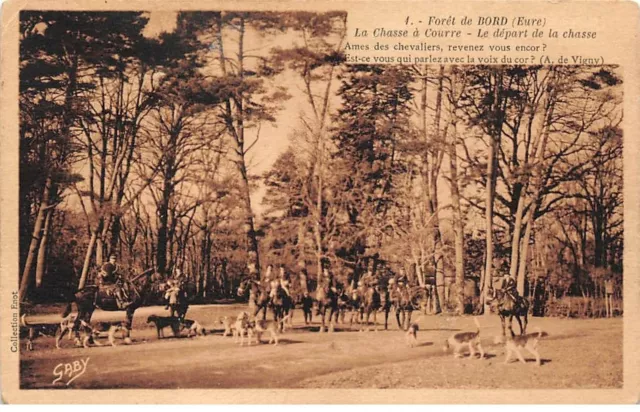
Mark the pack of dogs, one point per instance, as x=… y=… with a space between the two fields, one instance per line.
x=243 y=326
x=90 y=334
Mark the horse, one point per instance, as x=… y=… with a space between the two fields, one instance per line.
x=281 y=304
x=507 y=306
x=139 y=289
x=404 y=302
x=386 y=303
x=184 y=297
x=327 y=298
x=350 y=301
x=347 y=302
x=370 y=305
x=258 y=296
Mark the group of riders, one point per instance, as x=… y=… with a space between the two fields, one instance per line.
x=111 y=279
x=387 y=291
x=273 y=283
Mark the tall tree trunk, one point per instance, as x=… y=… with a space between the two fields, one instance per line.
x=237 y=132
x=516 y=237
x=491 y=179
x=319 y=204
x=99 y=250
x=35 y=240
x=302 y=229
x=253 y=259
x=433 y=193
x=598 y=234
x=101 y=247
x=438 y=256
x=458 y=226
x=64 y=132
x=116 y=228
x=320 y=115
x=536 y=189
x=523 y=258
x=40 y=264
x=87 y=257
x=163 y=227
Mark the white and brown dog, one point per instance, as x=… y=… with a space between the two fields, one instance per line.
x=529 y=342
x=465 y=339
x=228 y=323
x=263 y=326
x=241 y=328
x=193 y=327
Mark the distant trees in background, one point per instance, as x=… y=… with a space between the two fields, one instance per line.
x=139 y=146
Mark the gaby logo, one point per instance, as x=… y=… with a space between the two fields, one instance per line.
x=69 y=372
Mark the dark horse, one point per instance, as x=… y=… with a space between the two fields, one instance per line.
x=281 y=305
x=139 y=289
x=386 y=303
x=349 y=301
x=508 y=307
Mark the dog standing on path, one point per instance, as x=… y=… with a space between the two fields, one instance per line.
x=465 y=339
x=516 y=343
x=193 y=326
x=162 y=322
x=412 y=333
x=228 y=324
x=90 y=334
x=241 y=327
x=271 y=326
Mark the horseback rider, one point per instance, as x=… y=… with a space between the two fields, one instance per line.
x=331 y=281
x=172 y=293
x=272 y=281
x=173 y=288
x=266 y=282
x=509 y=287
x=284 y=281
x=391 y=284
x=392 y=288
x=110 y=276
x=368 y=279
x=404 y=287
x=304 y=285
x=390 y=291
x=403 y=278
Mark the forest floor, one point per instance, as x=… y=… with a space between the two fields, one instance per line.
x=576 y=353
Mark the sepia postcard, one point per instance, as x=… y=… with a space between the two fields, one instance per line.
x=320 y=202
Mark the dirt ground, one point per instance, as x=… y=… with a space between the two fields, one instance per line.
x=576 y=354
